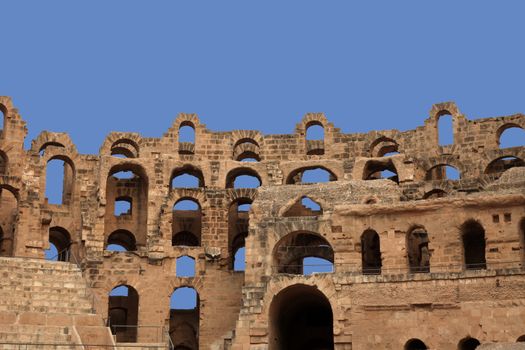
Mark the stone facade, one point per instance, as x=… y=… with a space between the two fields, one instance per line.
x=416 y=258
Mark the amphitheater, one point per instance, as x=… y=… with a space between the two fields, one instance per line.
x=390 y=250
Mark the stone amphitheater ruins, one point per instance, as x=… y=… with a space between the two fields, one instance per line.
x=404 y=255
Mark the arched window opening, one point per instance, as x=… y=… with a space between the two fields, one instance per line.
x=512 y=137
x=239 y=259
x=184 y=318
x=246 y=181
x=187 y=177
x=238 y=226
x=435 y=193
x=187 y=132
x=442 y=172
x=3 y=116
x=500 y=165
x=445 y=129
x=371 y=253
x=301 y=318
x=186 y=223
x=520 y=339
x=315 y=175
x=3 y=163
x=185 y=266
x=123 y=307
x=314 y=131
x=8 y=220
x=59 y=245
x=418 y=252
x=384 y=147
x=121 y=240
x=290 y=252
x=473 y=236
x=312 y=174
x=125 y=148
x=43 y=148
x=184 y=239
x=246 y=150
x=123 y=206
x=468 y=343
x=313 y=265
x=185 y=181
x=384 y=169
x=304 y=207
x=243 y=178
x=415 y=344
x=59 y=181
x=127 y=207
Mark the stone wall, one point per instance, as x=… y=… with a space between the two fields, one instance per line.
x=411 y=254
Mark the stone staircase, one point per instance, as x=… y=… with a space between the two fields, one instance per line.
x=48 y=305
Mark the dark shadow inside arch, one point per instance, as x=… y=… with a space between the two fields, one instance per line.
x=417 y=249
x=371 y=253
x=301 y=318
x=473 y=235
x=186 y=224
x=61 y=239
x=468 y=343
x=291 y=251
x=500 y=165
x=184 y=318
x=123 y=309
x=384 y=169
x=121 y=238
x=415 y=344
x=442 y=172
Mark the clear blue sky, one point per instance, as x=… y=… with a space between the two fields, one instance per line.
x=92 y=67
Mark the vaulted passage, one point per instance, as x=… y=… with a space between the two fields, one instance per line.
x=123 y=306
x=301 y=318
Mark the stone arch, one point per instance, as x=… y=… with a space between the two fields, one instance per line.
x=127 y=144
x=383 y=145
x=68 y=180
x=418 y=253
x=238 y=227
x=186 y=224
x=289 y=252
x=241 y=171
x=371 y=253
x=187 y=169
x=505 y=127
x=61 y=239
x=468 y=343
x=294 y=176
x=296 y=207
x=501 y=164
x=373 y=170
x=415 y=344
x=57 y=139
x=301 y=317
x=9 y=204
x=133 y=185
x=123 y=313
x=123 y=238
x=247 y=144
x=189 y=316
x=473 y=238
x=439 y=172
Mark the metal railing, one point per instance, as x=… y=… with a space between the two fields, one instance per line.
x=130 y=333
x=356 y=270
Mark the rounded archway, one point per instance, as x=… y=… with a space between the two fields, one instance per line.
x=291 y=251
x=468 y=343
x=301 y=318
x=415 y=344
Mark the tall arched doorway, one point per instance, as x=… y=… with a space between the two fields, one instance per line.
x=301 y=318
